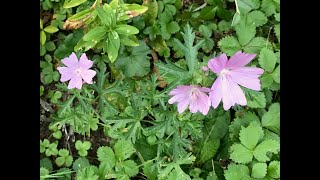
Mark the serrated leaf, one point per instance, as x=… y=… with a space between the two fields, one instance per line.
x=267 y=59
x=276 y=74
x=43 y=37
x=130 y=168
x=255 y=99
x=95 y=34
x=136 y=63
x=209 y=149
x=123 y=149
x=274 y=169
x=240 y=154
x=190 y=50
x=250 y=135
x=80 y=163
x=245 y=30
x=246 y=6
x=236 y=171
x=73 y=3
x=60 y=161
x=271 y=119
x=258 y=17
x=151 y=14
x=106 y=155
x=259 y=170
x=51 y=29
x=63 y=152
x=88 y=173
x=173 y=27
x=229 y=45
x=178 y=173
x=260 y=152
x=46 y=163
x=150 y=170
x=205 y=31
x=266 y=80
x=244 y=120
x=126 y=29
x=269 y=6
x=255 y=45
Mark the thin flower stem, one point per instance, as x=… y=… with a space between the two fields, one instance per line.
x=237 y=8
x=268 y=36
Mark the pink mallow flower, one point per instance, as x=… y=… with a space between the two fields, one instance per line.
x=232 y=73
x=193 y=95
x=76 y=71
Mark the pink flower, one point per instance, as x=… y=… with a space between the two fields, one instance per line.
x=76 y=71
x=193 y=95
x=232 y=73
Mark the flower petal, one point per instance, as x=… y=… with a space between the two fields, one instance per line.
x=87 y=75
x=75 y=82
x=204 y=103
x=218 y=63
x=84 y=63
x=247 y=77
x=177 y=98
x=66 y=74
x=182 y=105
x=71 y=61
x=239 y=59
x=216 y=94
x=232 y=94
x=180 y=90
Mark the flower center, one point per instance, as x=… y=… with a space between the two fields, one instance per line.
x=194 y=93
x=224 y=73
x=78 y=72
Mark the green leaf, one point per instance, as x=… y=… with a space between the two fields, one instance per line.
x=269 y=7
x=126 y=29
x=259 y=170
x=266 y=146
x=72 y=3
x=50 y=29
x=41 y=24
x=80 y=163
x=63 y=152
x=150 y=170
x=235 y=19
x=266 y=80
x=208 y=13
x=60 y=161
x=178 y=173
x=236 y=171
x=250 y=135
x=255 y=99
x=276 y=74
x=43 y=37
x=151 y=14
x=209 y=150
x=129 y=40
x=50 y=46
x=43 y=172
x=205 y=31
x=240 y=154
x=243 y=120
x=258 y=17
x=271 y=119
x=106 y=155
x=95 y=34
x=67 y=46
x=189 y=50
x=136 y=63
x=105 y=14
x=229 y=45
x=113 y=45
x=123 y=149
x=130 y=168
x=246 y=6
x=255 y=45
x=267 y=59
x=245 y=30
x=68 y=161
x=224 y=26
x=274 y=169
x=46 y=163
x=88 y=173
x=173 y=27
x=277 y=31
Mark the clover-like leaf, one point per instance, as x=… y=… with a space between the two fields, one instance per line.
x=259 y=170
x=123 y=149
x=260 y=152
x=250 y=135
x=240 y=154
